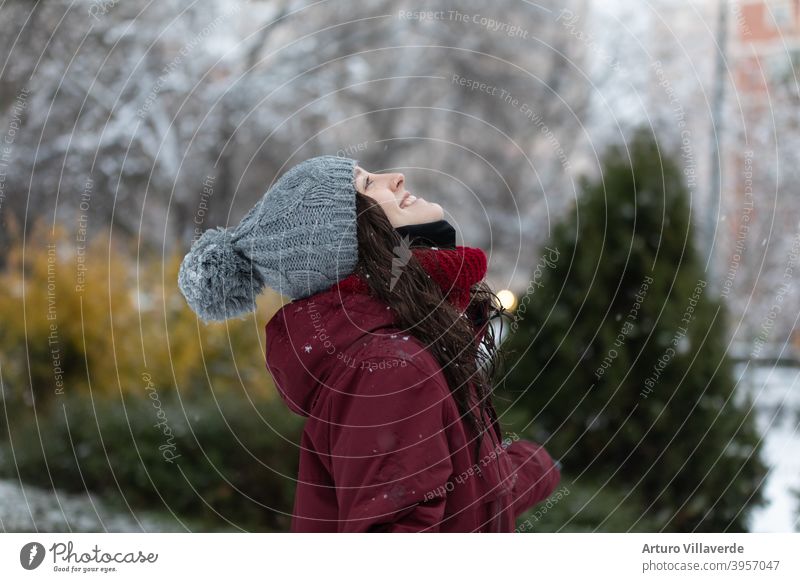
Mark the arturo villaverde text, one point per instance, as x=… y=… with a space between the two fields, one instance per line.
x=693 y=548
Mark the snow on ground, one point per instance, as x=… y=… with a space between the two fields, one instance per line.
x=32 y=509
x=776 y=396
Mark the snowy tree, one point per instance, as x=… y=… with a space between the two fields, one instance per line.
x=170 y=117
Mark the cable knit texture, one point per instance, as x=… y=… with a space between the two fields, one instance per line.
x=455 y=271
x=299 y=239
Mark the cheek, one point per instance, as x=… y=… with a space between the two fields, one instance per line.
x=386 y=200
x=383 y=201
x=389 y=206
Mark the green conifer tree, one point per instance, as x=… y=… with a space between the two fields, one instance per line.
x=618 y=354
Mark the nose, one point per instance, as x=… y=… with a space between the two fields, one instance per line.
x=398 y=181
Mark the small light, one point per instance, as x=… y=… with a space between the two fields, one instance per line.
x=507 y=299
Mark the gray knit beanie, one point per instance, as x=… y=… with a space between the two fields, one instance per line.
x=299 y=239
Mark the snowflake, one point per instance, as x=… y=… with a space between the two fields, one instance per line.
x=307 y=348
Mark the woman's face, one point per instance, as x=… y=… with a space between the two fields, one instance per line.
x=401 y=207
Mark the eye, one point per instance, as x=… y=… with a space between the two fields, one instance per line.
x=366 y=182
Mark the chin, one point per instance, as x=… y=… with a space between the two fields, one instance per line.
x=434 y=212
x=431 y=212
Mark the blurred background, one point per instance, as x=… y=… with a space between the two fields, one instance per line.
x=630 y=168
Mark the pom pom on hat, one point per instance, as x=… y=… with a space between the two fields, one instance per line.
x=216 y=279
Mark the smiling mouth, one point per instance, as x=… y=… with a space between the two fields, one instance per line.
x=408 y=200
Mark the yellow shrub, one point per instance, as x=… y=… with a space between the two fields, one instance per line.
x=100 y=315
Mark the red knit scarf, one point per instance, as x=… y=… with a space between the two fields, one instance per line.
x=455 y=270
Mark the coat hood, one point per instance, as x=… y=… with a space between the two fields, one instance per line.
x=307 y=338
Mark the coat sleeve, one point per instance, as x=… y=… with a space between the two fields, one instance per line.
x=390 y=458
x=537 y=474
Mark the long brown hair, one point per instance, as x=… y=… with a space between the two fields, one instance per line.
x=421 y=310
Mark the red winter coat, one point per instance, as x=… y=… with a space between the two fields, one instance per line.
x=384 y=447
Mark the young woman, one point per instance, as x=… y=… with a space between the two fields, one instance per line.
x=386 y=348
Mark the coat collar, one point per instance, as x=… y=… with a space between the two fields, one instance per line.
x=455 y=270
